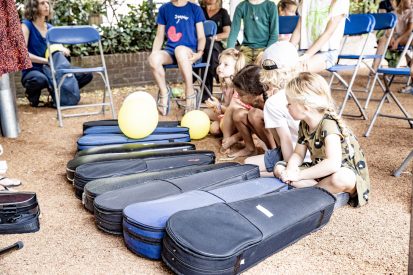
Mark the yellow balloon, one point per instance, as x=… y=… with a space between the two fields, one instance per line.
x=142 y=96
x=197 y=122
x=138 y=118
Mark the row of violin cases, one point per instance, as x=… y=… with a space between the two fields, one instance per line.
x=107 y=132
x=203 y=218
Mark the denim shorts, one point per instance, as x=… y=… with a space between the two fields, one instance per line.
x=330 y=57
x=171 y=52
x=271 y=157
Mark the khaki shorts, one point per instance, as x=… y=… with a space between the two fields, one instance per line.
x=251 y=54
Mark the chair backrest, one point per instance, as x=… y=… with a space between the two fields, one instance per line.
x=357 y=24
x=384 y=21
x=210 y=28
x=287 y=24
x=72 y=35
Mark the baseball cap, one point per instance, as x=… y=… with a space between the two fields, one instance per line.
x=280 y=55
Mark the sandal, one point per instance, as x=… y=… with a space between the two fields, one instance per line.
x=190 y=107
x=6 y=182
x=162 y=108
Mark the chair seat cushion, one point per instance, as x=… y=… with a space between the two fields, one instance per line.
x=354 y=56
x=338 y=68
x=394 y=71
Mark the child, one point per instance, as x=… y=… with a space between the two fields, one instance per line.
x=230 y=62
x=319 y=32
x=286 y=8
x=181 y=21
x=337 y=161
x=278 y=67
x=260 y=21
x=247 y=84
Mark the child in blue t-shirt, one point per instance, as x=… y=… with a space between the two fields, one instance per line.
x=181 y=21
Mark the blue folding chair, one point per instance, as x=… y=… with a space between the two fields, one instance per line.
x=287 y=24
x=210 y=29
x=388 y=75
x=384 y=22
x=356 y=25
x=73 y=35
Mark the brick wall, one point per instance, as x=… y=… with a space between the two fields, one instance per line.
x=127 y=69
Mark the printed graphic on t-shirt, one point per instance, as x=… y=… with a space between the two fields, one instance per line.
x=173 y=35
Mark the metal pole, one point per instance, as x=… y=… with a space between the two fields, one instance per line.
x=8 y=108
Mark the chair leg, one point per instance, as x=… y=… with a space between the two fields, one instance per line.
x=349 y=93
x=403 y=166
x=376 y=114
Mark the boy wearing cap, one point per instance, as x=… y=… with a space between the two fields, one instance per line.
x=279 y=66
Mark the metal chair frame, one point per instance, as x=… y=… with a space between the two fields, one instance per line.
x=356 y=24
x=73 y=35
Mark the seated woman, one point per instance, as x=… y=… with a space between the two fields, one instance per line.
x=181 y=21
x=35 y=27
x=319 y=31
x=213 y=11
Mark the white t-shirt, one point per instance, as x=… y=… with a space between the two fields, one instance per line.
x=276 y=114
x=315 y=15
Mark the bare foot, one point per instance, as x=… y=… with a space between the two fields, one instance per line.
x=224 y=151
x=229 y=141
x=243 y=153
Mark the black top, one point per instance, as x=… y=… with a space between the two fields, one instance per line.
x=221 y=18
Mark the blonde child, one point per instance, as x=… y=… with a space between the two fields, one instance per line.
x=278 y=67
x=337 y=161
x=230 y=62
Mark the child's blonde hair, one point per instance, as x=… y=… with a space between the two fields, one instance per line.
x=276 y=78
x=311 y=90
x=237 y=56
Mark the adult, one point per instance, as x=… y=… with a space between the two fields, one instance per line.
x=213 y=11
x=182 y=22
x=260 y=21
x=319 y=32
x=34 y=27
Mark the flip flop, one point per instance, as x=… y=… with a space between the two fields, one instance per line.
x=227 y=158
x=5 y=181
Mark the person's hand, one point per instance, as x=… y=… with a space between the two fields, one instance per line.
x=195 y=56
x=66 y=51
x=213 y=103
x=290 y=175
x=394 y=44
x=303 y=60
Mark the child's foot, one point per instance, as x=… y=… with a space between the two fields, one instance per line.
x=229 y=141
x=407 y=90
x=243 y=153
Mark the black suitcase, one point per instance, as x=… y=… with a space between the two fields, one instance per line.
x=116 y=168
x=19 y=212
x=108 y=207
x=126 y=148
x=98 y=187
x=140 y=152
x=113 y=124
x=228 y=238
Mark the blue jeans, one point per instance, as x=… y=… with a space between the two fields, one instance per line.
x=35 y=81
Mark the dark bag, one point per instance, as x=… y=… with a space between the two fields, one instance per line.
x=228 y=238
x=69 y=91
x=19 y=212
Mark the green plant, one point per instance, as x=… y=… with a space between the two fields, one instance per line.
x=364 y=6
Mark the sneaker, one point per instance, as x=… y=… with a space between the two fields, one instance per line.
x=407 y=90
x=342 y=199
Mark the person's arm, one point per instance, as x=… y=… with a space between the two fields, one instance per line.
x=295 y=37
x=274 y=30
x=158 y=41
x=287 y=147
x=236 y=24
x=33 y=58
x=325 y=36
x=201 y=42
x=403 y=37
x=224 y=34
x=330 y=165
x=297 y=157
